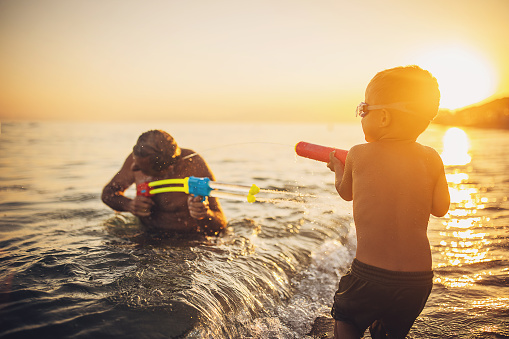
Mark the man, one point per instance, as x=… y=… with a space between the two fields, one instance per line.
x=157 y=156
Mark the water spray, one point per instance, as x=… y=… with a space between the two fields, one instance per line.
x=205 y=187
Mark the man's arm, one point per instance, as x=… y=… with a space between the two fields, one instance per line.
x=113 y=193
x=208 y=212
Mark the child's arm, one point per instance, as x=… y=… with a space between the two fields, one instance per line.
x=441 y=197
x=343 y=176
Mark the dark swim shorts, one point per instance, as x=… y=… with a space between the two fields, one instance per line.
x=390 y=299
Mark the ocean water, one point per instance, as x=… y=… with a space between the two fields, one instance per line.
x=70 y=267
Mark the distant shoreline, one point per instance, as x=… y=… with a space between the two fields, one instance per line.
x=494 y=115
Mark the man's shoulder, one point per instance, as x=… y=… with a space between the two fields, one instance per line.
x=186 y=151
x=193 y=164
x=191 y=156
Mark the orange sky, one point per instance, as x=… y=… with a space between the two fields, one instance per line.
x=285 y=60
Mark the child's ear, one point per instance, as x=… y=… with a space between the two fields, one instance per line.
x=385 y=118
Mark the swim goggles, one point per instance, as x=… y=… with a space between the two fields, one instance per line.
x=363 y=108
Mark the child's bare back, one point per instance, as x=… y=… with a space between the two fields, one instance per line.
x=396 y=186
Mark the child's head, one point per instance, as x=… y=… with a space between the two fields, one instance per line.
x=410 y=94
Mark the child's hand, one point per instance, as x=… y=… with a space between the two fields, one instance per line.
x=334 y=163
x=338 y=168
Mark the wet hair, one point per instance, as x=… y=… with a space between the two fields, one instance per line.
x=160 y=147
x=415 y=87
x=409 y=84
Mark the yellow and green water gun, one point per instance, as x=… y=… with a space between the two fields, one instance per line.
x=203 y=187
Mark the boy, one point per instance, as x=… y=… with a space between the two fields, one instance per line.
x=395 y=184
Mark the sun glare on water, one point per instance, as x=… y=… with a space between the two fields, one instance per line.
x=464 y=76
x=456 y=147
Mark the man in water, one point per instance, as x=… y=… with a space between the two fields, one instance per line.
x=157 y=156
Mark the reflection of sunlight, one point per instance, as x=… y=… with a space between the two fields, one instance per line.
x=463 y=239
x=492 y=303
x=462 y=223
x=464 y=281
x=469 y=234
x=464 y=195
x=456 y=146
x=454 y=282
x=460 y=255
x=461 y=213
x=456 y=178
x=462 y=244
x=467 y=201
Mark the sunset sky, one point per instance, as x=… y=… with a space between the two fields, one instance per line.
x=235 y=60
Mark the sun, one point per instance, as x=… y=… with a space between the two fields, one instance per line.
x=464 y=76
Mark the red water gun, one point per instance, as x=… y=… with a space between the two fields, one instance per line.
x=320 y=153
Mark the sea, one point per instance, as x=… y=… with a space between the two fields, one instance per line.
x=70 y=267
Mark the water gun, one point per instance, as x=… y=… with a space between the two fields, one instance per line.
x=203 y=187
x=317 y=152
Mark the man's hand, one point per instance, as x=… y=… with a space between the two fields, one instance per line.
x=197 y=208
x=140 y=206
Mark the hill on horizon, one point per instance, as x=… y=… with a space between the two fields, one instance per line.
x=494 y=114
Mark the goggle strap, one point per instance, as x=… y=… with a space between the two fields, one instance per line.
x=400 y=106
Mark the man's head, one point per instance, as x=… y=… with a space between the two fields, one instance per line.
x=159 y=148
x=409 y=93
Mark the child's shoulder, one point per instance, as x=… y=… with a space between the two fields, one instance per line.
x=358 y=150
x=364 y=149
x=361 y=147
x=429 y=155
x=429 y=151
x=412 y=149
